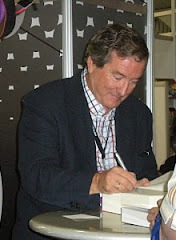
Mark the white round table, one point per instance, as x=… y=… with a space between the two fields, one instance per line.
x=106 y=226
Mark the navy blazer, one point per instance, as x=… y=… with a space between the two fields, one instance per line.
x=57 y=157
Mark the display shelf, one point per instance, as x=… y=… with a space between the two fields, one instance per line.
x=164 y=18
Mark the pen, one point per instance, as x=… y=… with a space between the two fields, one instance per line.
x=119 y=160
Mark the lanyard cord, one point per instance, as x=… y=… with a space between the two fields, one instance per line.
x=97 y=140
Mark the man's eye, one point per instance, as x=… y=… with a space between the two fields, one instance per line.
x=135 y=81
x=118 y=78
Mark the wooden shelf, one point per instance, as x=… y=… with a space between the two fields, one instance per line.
x=165 y=21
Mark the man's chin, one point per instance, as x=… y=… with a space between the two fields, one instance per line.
x=114 y=105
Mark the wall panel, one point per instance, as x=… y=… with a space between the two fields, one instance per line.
x=28 y=59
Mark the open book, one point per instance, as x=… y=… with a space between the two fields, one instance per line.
x=160 y=183
x=142 y=197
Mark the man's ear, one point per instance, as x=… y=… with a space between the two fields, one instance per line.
x=90 y=65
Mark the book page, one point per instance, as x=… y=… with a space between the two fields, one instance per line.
x=160 y=183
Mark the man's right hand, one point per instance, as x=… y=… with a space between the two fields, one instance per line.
x=113 y=180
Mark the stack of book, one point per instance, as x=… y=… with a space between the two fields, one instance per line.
x=135 y=215
x=134 y=205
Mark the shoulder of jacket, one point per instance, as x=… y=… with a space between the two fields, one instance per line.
x=134 y=102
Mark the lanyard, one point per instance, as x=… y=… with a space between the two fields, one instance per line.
x=98 y=142
x=155 y=234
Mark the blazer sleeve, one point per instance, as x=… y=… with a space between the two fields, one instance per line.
x=51 y=171
x=146 y=165
x=134 y=138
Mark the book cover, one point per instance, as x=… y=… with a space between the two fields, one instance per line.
x=135 y=216
x=113 y=223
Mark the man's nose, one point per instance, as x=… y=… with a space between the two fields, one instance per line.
x=123 y=87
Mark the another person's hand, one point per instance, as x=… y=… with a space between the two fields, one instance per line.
x=114 y=180
x=152 y=214
x=166 y=232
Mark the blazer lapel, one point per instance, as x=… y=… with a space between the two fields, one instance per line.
x=125 y=124
x=81 y=121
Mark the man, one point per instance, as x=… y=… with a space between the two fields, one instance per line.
x=71 y=130
x=166 y=228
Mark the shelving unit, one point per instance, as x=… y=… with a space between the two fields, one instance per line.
x=164 y=18
x=164 y=74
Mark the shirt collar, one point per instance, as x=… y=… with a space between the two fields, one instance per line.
x=94 y=106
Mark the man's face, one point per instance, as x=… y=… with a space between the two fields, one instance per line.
x=113 y=83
